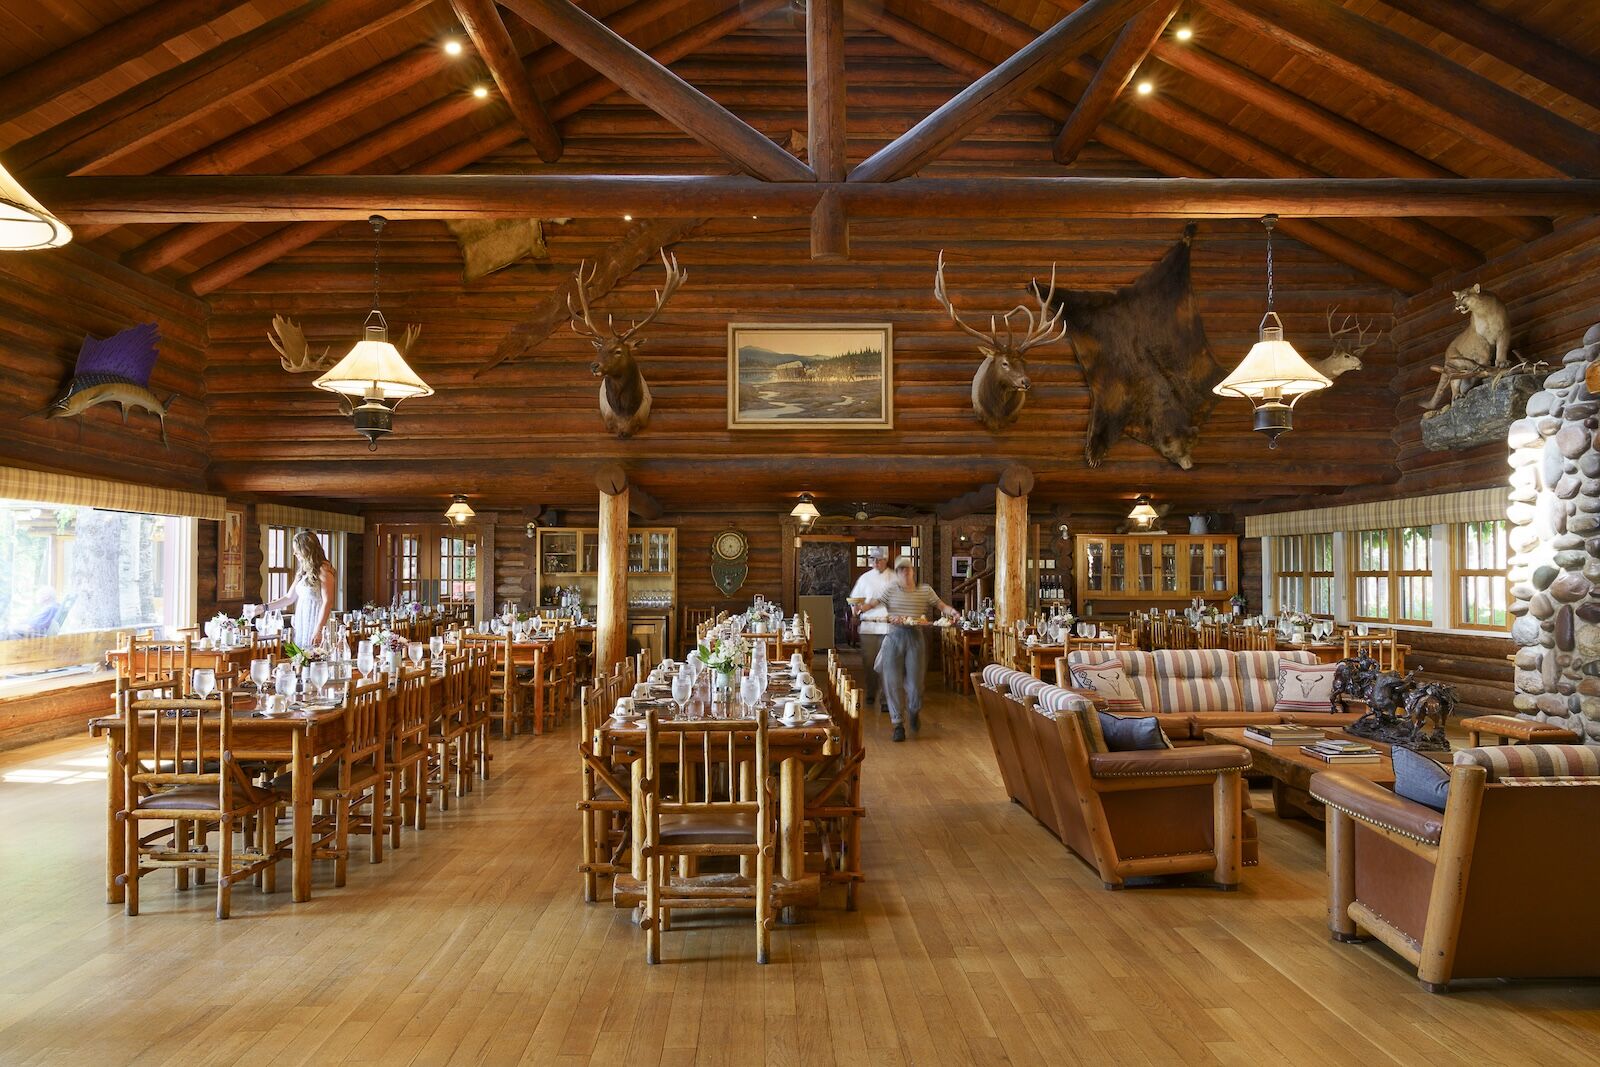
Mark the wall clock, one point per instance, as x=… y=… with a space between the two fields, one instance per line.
x=730 y=556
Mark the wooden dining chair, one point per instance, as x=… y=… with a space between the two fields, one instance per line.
x=180 y=769
x=450 y=734
x=405 y=761
x=149 y=664
x=833 y=794
x=1380 y=645
x=503 y=688
x=480 y=706
x=604 y=798
x=688 y=817
x=352 y=779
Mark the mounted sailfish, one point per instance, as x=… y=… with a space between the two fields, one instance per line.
x=115 y=371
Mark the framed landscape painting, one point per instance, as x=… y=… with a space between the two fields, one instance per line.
x=811 y=375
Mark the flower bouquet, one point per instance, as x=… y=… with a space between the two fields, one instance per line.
x=389 y=641
x=302 y=656
x=724 y=655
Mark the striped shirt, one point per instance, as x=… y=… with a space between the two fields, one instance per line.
x=921 y=602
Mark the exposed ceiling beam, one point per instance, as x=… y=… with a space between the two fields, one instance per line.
x=825 y=123
x=1129 y=50
x=274 y=198
x=1397 y=69
x=1334 y=245
x=990 y=94
x=482 y=23
x=1511 y=43
x=105 y=49
x=176 y=97
x=653 y=85
x=237 y=264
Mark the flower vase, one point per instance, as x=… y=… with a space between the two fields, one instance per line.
x=721 y=686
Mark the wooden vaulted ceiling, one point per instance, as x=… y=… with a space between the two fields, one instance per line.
x=1265 y=88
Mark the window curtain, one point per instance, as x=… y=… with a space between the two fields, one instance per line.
x=1472 y=505
x=44 y=487
x=308 y=519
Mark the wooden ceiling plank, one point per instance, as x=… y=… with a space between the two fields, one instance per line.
x=1333 y=129
x=237 y=264
x=100 y=136
x=1127 y=52
x=1311 y=234
x=1395 y=68
x=653 y=85
x=825 y=123
x=1511 y=43
x=989 y=95
x=420 y=195
x=106 y=49
x=482 y=22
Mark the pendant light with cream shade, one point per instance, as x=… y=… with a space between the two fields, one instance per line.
x=374 y=372
x=1273 y=376
x=25 y=225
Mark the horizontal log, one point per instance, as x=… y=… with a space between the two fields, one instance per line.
x=268 y=198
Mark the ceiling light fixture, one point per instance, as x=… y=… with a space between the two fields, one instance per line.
x=1183 y=33
x=480 y=91
x=627 y=218
x=459 y=512
x=1142 y=512
x=1145 y=88
x=24 y=223
x=374 y=371
x=805 y=511
x=452 y=46
x=1273 y=376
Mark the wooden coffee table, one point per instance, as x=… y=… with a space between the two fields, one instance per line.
x=1291 y=770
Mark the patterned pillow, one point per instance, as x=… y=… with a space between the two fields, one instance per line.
x=1305 y=687
x=1109 y=680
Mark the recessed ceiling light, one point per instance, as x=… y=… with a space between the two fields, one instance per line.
x=1145 y=88
x=627 y=218
x=452 y=46
x=480 y=91
x=1183 y=33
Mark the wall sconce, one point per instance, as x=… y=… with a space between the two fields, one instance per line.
x=805 y=512
x=1143 y=514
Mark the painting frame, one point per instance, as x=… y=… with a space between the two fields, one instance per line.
x=834 y=336
x=230 y=553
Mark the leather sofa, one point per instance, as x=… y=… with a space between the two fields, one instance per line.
x=1190 y=691
x=1127 y=814
x=1494 y=886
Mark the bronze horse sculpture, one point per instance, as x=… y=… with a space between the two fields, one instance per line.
x=1400 y=710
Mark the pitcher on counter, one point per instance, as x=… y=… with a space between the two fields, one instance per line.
x=902 y=661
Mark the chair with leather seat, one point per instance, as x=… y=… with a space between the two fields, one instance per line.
x=180 y=769
x=1485 y=888
x=696 y=820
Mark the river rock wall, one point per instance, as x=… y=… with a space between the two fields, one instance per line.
x=1554 y=541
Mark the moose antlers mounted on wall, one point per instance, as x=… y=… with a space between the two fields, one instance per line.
x=1000 y=387
x=624 y=395
x=295 y=354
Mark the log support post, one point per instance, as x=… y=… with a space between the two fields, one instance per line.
x=611 y=610
x=1011 y=546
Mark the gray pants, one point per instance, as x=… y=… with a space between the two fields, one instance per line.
x=904 y=659
x=870 y=643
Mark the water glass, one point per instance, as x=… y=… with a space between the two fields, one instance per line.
x=317 y=676
x=436 y=646
x=367 y=661
x=750 y=690
x=285 y=681
x=205 y=682
x=415 y=651
x=682 y=688
x=261 y=673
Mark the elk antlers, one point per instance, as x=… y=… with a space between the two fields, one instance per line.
x=1044 y=328
x=583 y=318
x=1350 y=324
x=290 y=341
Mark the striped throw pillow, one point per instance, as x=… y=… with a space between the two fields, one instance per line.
x=1108 y=679
x=1305 y=687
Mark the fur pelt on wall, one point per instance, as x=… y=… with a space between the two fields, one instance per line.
x=1144 y=352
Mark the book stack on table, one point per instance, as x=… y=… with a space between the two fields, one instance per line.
x=1330 y=750
x=1288 y=733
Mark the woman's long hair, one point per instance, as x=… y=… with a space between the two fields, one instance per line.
x=309 y=558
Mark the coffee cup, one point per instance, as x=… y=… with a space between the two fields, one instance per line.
x=641 y=691
x=791 y=710
x=810 y=693
x=624 y=707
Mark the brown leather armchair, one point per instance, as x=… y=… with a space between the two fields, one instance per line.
x=1129 y=814
x=1449 y=891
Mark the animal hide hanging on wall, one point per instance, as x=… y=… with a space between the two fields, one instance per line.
x=1144 y=353
x=488 y=245
x=114 y=371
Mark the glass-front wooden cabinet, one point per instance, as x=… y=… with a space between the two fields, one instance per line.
x=1154 y=567
x=569 y=558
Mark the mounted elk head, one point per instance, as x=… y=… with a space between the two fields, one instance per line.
x=1347 y=349
x=1000 y=387
x=624 y=395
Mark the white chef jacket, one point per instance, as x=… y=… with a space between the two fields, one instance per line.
x=871 y=586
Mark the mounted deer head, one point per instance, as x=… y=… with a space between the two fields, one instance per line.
x=1347 y=349
x=290 y=341
x=624 y=395
x=1000 y=387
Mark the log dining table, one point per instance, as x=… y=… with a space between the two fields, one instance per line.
x=792 y=748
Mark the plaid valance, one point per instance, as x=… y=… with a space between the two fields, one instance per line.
x=307 y=518
x=1472 y=505
x=43 y=487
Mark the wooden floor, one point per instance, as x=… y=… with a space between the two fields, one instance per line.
x=979 y=940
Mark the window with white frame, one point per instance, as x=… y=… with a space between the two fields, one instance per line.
x=1303 y=573
x=1478 y=555
x=278 y=563
x=1391 y=575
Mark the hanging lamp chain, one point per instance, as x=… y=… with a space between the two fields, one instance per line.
x=1269 y=221
x=377 y=222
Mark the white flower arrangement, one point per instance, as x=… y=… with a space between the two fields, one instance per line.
x=725 y=654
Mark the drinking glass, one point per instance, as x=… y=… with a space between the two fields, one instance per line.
x=261 y=673
x=317 y=676
x=750 y=690
x=205 y=682
x=682 y=688
x=415 y=651
x=436 y=646
x=367 y=661
x=284 y=679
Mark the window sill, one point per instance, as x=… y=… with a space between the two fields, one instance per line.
x=28 y=688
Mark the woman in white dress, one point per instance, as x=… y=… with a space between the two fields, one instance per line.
x=311 y=593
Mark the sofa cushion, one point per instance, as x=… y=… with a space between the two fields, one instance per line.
x=1305 y=687
x=1258 y=675
x=1132 y=733
x=1416 y=777
x=1057 y=703
x=1110 y=680
x=1026 y=685
x=997 y=675
x=1196 y=680
x=1055 y=698
x=1533 y=761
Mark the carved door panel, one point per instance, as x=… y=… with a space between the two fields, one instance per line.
x=826 y=568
